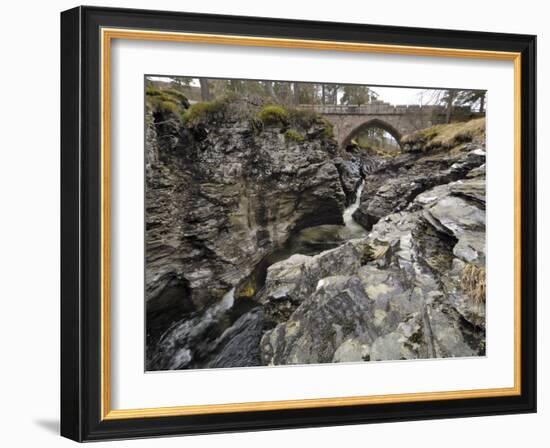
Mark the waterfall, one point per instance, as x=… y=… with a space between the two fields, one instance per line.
x=228 y=300
x=351 y=226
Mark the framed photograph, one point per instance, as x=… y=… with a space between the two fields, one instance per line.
x=276 y=224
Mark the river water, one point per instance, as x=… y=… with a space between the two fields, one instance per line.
x=221 y=315
x=352 y=229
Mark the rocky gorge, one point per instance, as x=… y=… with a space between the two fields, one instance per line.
x=267 y=244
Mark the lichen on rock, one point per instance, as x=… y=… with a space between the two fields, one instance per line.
x=247 y=260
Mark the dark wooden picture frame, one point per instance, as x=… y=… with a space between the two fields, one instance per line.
x=86 y=33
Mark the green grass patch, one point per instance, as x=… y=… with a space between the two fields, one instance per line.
x=293 y=135
x=166 y=101
x=202 y=111
x=164 y=105
x=152 y=91
x=273 y=115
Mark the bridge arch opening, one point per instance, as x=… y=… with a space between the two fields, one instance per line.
x=374 y=129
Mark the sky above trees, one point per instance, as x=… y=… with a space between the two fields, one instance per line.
x=349 y=94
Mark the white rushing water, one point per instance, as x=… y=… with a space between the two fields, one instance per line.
x=228 y=300
x=352 y=227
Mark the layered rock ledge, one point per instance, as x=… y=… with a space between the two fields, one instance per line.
x=243 y=200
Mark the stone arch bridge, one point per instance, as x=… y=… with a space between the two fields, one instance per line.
x=349 y=121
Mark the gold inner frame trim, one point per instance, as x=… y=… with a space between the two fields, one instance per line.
x=107 y=35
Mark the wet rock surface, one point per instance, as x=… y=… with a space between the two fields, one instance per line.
x=221 y=195
x=249 y=262
x=394 y=185
x=337 y=310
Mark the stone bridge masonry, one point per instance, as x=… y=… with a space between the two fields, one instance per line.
x=349 y=121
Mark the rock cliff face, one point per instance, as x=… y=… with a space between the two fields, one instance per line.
x=224 y=189
x=419 y=274
x=230 y=191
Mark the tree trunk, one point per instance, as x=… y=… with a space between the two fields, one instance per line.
x=450 y=101
x=482 y=104
x=270 y=89
x=296 y=93
x=323 y=94
x=205 y=89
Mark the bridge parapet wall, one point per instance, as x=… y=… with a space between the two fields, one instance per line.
x=349 y=120
x=378 y=108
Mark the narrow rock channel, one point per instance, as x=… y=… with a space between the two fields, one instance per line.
x=295 y=251
x=177 y=347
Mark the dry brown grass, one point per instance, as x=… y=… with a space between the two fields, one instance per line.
x=373 y=252
x=379 y=251
x=473 y=281
x=448 y=135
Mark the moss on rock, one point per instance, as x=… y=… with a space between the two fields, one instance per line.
x=293 y=135
x=273 y=115
x=202 y=111
x=167 y=101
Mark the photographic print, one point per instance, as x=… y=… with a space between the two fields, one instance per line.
x=313 y=219
x=306 y=223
